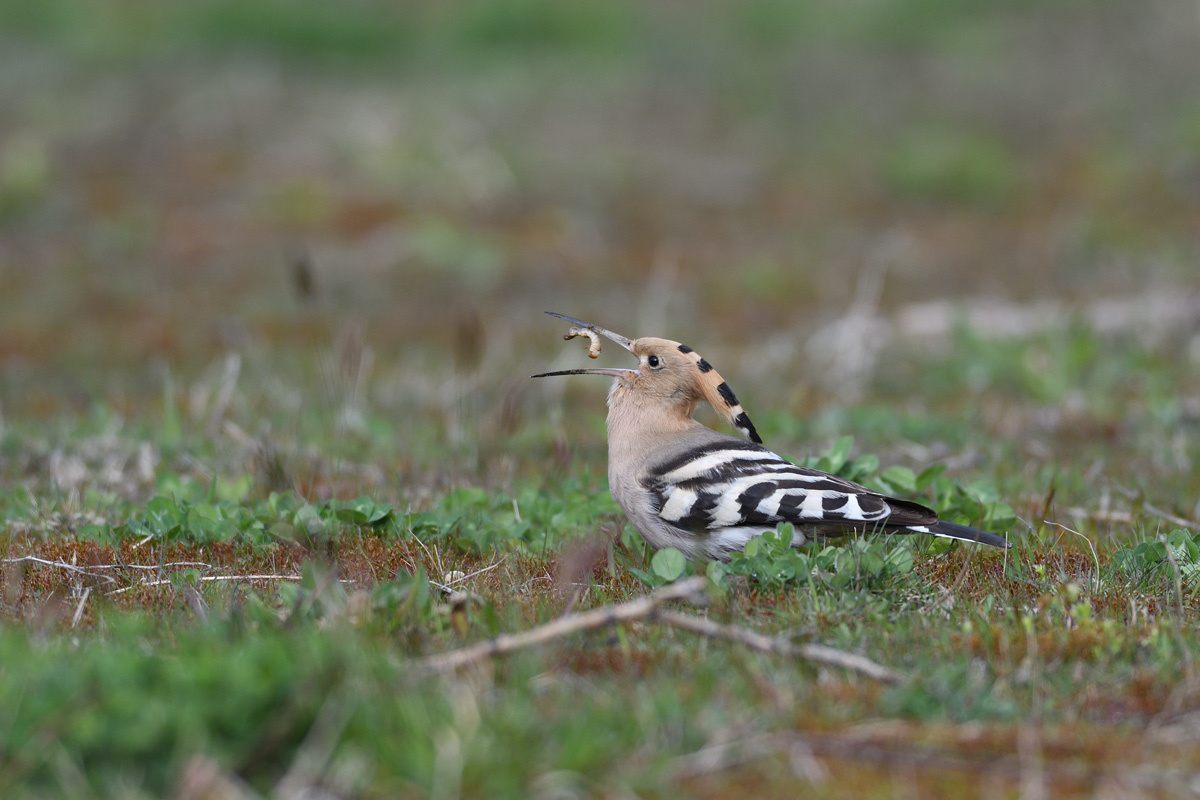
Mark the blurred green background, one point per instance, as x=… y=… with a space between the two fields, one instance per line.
x=862 y=212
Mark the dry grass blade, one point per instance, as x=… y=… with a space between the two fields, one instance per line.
x=1178 y=583
x=691 y=590
x=813 y=653
x=79 y=608
x=196 y=602
x=303 y=777
x=1091 y=547
x=205 y=779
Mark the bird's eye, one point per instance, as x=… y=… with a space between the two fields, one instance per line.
x=652 y=361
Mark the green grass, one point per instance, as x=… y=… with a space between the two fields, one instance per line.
x=132 y=653
x=122 y=662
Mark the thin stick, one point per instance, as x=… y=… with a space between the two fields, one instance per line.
x=48 y=563
x=206 y=578
x=724 y=755
x=90 y=569
x=153 y=567
x=691 y=590
x=1126 y=517
x=447 y=587
x=1169 y=517
x=649 y=606
x=814 y=653
x=1155 y=511
x=59 y=564
x=1100 y=515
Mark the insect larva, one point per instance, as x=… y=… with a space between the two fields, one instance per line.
x=593 y=346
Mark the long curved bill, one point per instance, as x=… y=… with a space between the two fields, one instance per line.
x=611 y=371
x=616 y=337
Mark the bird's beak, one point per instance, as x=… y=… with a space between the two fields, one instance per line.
x=616 y=337
x=610 y=371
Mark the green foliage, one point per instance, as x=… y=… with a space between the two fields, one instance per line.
x=770 y=560
x=1177 y=550
x=120 y=705
x=25 y=172
x=664 y=566
x=542 y=24
x=358 y=29
x=244 y=688
x=474 y=520
x=1065 y=363
x=668 y=564
x=976 y=504
x=404 y=599
x=116 y=705
x=281 y=516
x=834 y=460
x=955 y=690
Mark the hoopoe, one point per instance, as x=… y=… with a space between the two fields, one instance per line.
x=705 y=493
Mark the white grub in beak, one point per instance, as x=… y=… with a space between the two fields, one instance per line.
x=593 y=338
x=587 y=326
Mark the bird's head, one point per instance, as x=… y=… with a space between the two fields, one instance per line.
x=667 y=372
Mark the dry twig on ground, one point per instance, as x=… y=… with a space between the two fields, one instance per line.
x=691 y=590
x=650 y=607
x=813 y=653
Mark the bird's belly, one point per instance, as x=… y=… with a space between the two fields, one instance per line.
x=721 y=543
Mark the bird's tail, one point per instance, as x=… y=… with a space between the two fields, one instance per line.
x=949 y=530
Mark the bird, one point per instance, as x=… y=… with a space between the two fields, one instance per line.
x=706 y=493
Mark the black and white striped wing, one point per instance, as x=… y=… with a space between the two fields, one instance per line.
x=733 y=484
